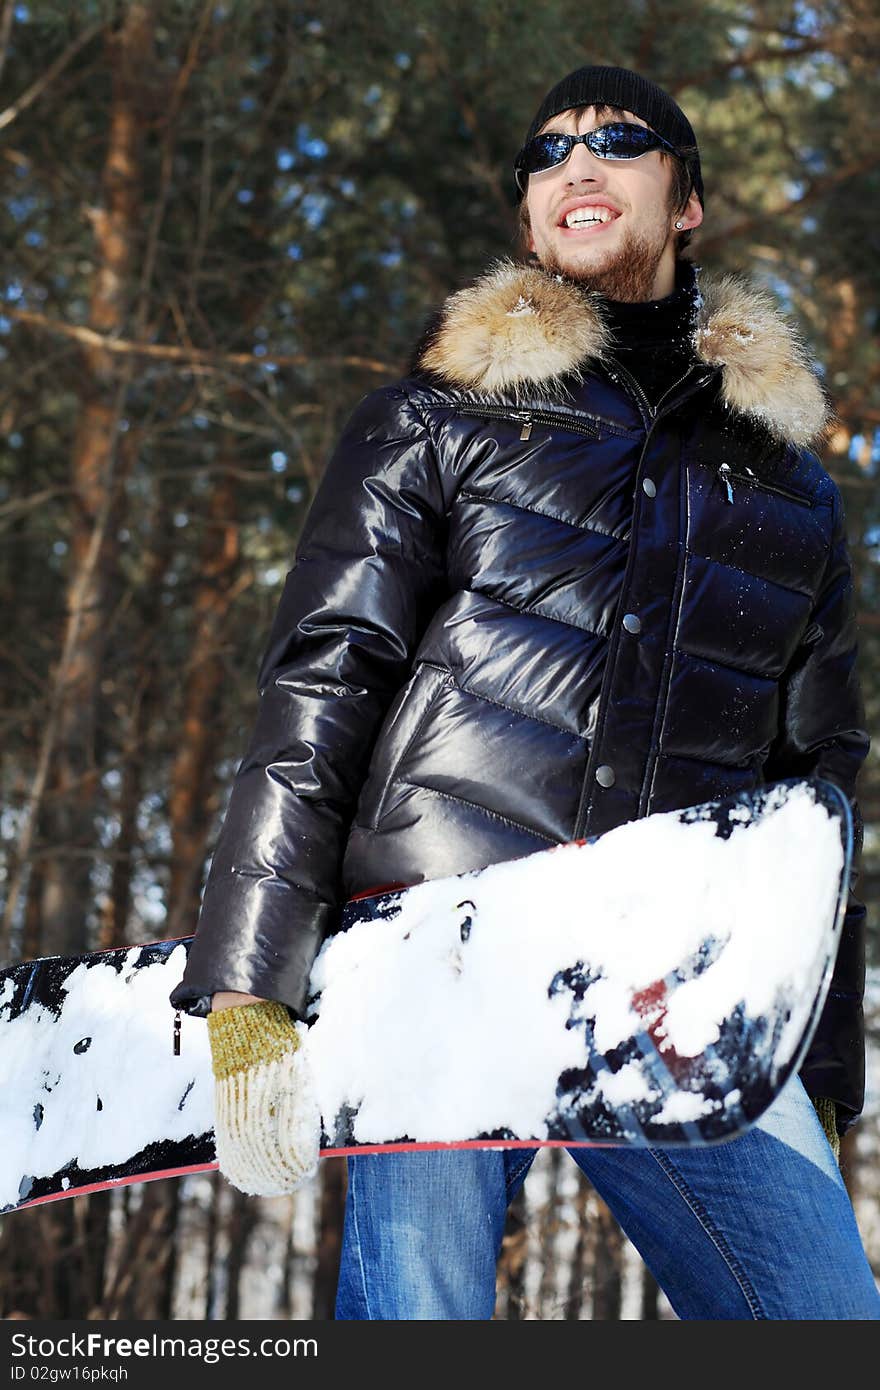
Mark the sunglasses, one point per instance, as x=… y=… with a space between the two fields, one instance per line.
x=619 y=140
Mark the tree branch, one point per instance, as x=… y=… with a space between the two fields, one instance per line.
x=36 y=89
x=194 y=358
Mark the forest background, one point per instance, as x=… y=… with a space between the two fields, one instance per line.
x=223 y=224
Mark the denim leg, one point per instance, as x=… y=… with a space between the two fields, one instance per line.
x=758 y=1227
x=423 y=1231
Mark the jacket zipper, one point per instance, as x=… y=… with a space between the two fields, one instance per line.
x=530 y=417
x=637 y=390
x=725 y=473
x=653 y=416
x=650 y=412
x=611 y=657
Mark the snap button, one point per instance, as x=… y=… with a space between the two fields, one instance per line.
x=605 y=775
x=649 y=487
x=632 y=622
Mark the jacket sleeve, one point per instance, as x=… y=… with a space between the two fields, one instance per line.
x=822 y=734
x=368 y=572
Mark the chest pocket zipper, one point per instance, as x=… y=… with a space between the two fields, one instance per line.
x=727 y=474
x=527 y=418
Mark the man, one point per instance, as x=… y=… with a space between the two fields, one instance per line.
x=580 y=564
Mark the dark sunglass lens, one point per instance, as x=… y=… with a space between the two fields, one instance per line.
x=543 y=152
x=626 y=141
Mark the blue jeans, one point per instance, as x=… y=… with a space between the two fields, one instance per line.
x=758 y=1227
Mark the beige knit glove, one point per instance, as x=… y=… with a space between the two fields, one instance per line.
x=267 y=1122
x=827 y=1112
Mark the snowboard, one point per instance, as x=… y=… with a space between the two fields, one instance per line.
x=656 y=984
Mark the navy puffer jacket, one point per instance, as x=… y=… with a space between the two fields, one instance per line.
x=527 y=606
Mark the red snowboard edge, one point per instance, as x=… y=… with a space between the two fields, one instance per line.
x=110 y=1183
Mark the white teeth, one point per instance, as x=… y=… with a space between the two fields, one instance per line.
x=582 y=215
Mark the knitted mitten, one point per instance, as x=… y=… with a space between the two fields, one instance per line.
x=267 y=1122
x=827 y=1112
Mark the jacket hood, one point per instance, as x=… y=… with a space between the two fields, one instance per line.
x=519 y=326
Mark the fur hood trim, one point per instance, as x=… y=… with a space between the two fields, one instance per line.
x=517 y=327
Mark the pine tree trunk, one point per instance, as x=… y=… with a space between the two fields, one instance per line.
x=332 y=1178
x=548 y=1231
x=607 y=1280
x=53 y=1259
x=580 y=1274
x=144 y=697
x=68 y=816
x=244 y=1215
x=212 y=1272
x=195 y=763
x=650 y=1296
x=510 y=1278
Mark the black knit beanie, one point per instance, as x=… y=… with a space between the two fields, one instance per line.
x=620 y=87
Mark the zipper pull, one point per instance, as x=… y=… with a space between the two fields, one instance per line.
x=526 y=430
x=723 y=471
x=177 y=1033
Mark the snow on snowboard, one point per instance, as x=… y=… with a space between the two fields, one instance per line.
x=656 y=984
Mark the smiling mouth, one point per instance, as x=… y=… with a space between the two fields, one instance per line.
x=588 y=228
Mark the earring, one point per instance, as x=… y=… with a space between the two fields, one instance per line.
x=679 y=225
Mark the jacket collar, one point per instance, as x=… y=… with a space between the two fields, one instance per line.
x=518 y=326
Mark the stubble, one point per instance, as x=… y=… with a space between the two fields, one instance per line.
x=628 y=275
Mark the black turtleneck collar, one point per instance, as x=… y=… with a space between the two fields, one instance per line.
x=653 y=338
x=657 y=322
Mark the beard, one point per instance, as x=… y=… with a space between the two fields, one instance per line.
x=628 y=274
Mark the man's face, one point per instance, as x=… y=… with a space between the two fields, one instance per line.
x=632 y=256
